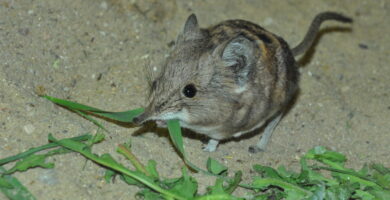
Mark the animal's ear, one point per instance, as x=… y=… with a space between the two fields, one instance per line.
x=239 y=54
x=238 y=51
x=191 y=29
x=191 y=24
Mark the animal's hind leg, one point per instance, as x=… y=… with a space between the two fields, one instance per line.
x=269 y=129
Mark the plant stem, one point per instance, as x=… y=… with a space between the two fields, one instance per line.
x=134 y=160
x=279 y=183
x=41 y=148
x=112 y=164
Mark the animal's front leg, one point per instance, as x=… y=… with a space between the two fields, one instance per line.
x=211 y=145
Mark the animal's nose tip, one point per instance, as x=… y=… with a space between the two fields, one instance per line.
x=139 y=119
x=136 y=120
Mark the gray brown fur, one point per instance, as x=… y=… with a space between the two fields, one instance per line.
x=244 y=75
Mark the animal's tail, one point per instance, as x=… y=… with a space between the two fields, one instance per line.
x=314 y=27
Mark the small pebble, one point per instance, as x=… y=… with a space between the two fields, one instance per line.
x=363 y=46
x=268 y=21
x=29 y=128
x=104 y=5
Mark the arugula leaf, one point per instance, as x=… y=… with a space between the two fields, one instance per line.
x=5 y=184
x=107 y=161
x=331 y=158
x=109 y=175
x=30 y=162
x=126 y=116
x=217 y=188
x=215 y=167
x=40 y=148
x=186 y=186
x=151 y=168
x=234 y=182
x=13 y=189
x=177 y=140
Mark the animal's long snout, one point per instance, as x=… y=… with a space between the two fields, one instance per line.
x=143 y=117
x=140 y=119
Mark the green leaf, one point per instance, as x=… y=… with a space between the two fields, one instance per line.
x=233 y=183
x=308 y=175
x=266 y=196
x=383 y=181
x=109 y=175
x=189 y=183
x=263 y=183
x=331 y=158
x=218 y=191
x=97 y=138
x=147 y=194
x=186 y=186
x=363 y=195
x=318 y=192
x=368 y=183
x=107 y=158
x=30 y=162
x=336 y=162
x=364 y=170
x=177 y=140
x=18 y=190
x=126 y=116
x=380 y=168
x=381 y=194
x=5 y=184
x=338 y=193
x=40 y=148
x=349 y=175
x=151 y=168
x=215 y=167
x=382 y=175
x=218 y=187
x=176 y=136
x=86 y=116
x=267 y=172
x=219 y=197
x=294 y=195
x=169 y=182
x=131 y=181
x=107 y=161
x=287 y=175
x=70 y=144
x=125 y=150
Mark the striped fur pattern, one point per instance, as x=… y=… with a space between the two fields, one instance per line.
x=223 y=81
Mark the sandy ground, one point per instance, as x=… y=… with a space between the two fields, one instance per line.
x=95 y=52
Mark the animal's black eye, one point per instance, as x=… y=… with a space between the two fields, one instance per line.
x=189 y=90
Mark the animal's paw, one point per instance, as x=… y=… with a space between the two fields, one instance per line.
x=211 y=146
x=255 y=149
